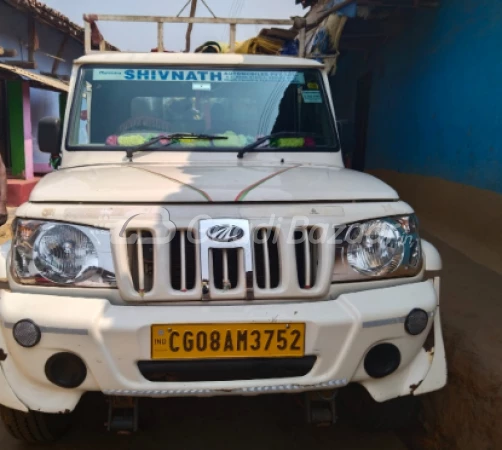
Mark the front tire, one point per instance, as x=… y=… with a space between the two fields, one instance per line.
x=370 y=415
x=35 y=427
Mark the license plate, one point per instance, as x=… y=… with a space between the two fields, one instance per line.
x=217 y=341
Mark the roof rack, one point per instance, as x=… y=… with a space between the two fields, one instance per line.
x=296 y=23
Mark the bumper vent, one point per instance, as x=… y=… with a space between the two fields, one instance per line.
x=226 y=369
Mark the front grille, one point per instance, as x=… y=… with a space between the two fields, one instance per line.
x=226 y=369
x=179 y=267
x=307 y=246
x=267 y=264
x=183 y=258
x=140 y=252
x=226 y=264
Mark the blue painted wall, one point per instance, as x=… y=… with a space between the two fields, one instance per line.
x=344 y=88
x=436 y=105
x=14 y=35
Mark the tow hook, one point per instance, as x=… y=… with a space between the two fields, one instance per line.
x=123 y=415
x=320 y=408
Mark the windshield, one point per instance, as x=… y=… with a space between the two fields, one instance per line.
x=116 y=108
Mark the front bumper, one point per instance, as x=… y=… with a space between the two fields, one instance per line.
x=112 y=339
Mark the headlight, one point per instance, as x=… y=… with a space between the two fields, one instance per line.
x=380 y=248
x=62 y=254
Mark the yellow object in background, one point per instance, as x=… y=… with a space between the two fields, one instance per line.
x=255 y=46
x=214 y=47
x=260 y=46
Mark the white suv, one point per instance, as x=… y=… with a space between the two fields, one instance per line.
x=203 y=238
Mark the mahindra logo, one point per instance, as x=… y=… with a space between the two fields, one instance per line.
x=225 y=233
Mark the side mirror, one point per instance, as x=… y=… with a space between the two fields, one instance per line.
x=49 y=135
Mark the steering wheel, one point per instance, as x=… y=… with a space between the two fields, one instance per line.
x=144 y=123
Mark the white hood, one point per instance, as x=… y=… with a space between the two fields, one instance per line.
x=163 y=183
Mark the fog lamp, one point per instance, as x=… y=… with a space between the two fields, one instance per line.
x=382 y=360
x=66 y=370
x=26 y=333
x=416 y=322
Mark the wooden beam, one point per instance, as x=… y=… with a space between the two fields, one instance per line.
x=23 y=64
x=55 y=76
x=170 y=19
x=205 y=20
x=8 y=53
x=88 y=37
x=33 y=40
x=59 y=55
x=233 y=37
x=193 y=10
x=160 y=37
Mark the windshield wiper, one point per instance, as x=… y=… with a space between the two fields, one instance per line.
x=171 y=137
x=262 y=140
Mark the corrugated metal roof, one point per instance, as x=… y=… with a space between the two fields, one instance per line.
x=46 y=14
x=51 y=17
x=43 y=80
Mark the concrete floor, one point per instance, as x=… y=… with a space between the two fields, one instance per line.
x=274 y=422
x=466 y=414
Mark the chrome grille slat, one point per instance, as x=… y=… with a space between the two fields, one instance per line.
x=183 y=261
x=226 y=264
x=307 y=259
x=226 y=280
x=141 y=263
x=266 y=260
